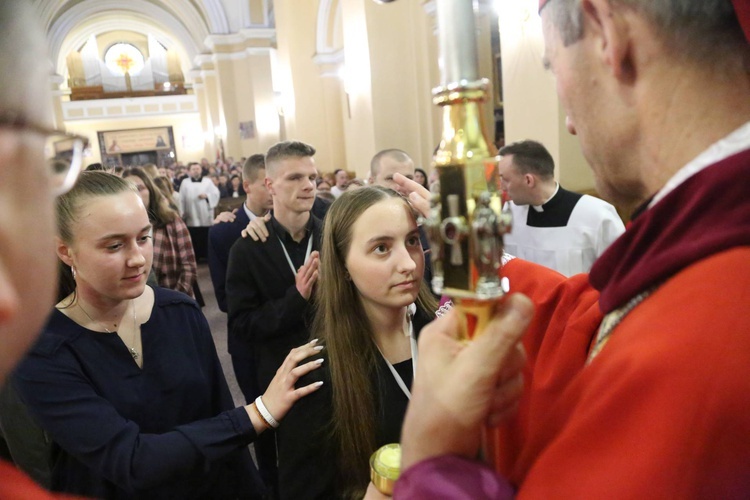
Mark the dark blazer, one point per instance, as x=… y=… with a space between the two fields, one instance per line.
x=265 y=307
x=221 y=237
x=320 y=208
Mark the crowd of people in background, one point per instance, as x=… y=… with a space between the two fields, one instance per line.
x=226 y=176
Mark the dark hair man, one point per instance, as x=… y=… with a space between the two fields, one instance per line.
x=269 y=283
x=198 y=197
x=552 y=226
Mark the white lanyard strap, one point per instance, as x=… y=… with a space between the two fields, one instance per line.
x=289 y=259
x=413 y=342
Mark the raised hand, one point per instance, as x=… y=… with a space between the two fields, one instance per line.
x=307 y=275
x=418 y=196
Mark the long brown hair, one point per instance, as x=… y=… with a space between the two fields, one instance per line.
x=342 y=324
x=165 y=186
x=159 y=212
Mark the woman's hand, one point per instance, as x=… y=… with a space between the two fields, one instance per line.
x=281 y=394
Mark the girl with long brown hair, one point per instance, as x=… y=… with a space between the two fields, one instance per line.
x=371 y=303
x=174 y=259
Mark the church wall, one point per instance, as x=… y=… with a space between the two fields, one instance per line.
x=188 y=133
x=303 y=91
x=397 y=86
x=532 y=109
x=357 y=75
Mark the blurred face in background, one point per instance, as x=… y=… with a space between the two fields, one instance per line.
x=514 y=183
x=389 y=167
x=259 y=200
x=342 y=178
x=420 y=178
x=195 y=171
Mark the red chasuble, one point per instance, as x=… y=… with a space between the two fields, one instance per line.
x=663 y=411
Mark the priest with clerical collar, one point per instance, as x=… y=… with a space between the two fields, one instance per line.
x=565 y=231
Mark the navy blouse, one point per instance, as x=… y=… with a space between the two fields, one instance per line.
x=168 y=430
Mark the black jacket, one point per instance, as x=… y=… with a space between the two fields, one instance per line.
x=264 y=305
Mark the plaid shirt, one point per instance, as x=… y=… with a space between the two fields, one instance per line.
x=174 y=259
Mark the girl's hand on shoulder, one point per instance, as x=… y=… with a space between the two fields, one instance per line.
x=281 y=393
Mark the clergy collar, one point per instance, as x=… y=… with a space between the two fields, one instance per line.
x=200 y=179
x=540 y=208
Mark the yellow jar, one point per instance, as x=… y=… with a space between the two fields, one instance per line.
x=385 y=467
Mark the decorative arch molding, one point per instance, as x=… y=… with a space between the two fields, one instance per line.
x=48 y=10
x=80 y=17
x=328 y=27
x=183 y=44
x=195 y=18
x=217 y=17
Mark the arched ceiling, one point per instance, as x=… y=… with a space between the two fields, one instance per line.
x=181 y=25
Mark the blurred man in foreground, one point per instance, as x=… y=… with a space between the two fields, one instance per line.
x=28 y=186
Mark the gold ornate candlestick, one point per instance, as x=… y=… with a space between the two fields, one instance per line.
x=466 y=224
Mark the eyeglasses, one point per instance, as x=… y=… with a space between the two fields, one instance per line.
x=63 y=152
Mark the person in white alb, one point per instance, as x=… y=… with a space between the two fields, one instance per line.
x=552 y=226
x=198 y=197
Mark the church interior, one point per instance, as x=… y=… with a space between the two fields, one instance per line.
x=160 y=81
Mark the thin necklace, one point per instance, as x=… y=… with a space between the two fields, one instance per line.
x=132 y=350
